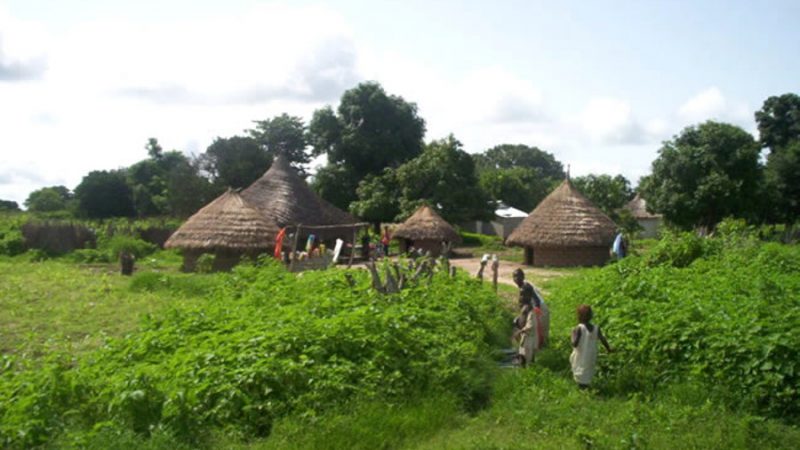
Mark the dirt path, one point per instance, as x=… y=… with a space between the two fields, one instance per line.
x=536 y=275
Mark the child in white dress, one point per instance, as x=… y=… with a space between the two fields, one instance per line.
x=584 y=347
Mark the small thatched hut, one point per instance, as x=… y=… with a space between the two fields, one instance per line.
x=564 y=230
x=649 y=222
x=228 y=228
x=425 y=230
x=284 y=198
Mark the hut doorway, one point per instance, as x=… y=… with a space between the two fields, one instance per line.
x=528 y=256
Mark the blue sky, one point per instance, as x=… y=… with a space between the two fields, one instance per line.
x=83 y=84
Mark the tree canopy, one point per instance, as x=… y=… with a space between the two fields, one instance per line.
x=48 y=199
x=103 y=194
x=9 y=205
x=284 y=135
x=779 y=127
x=518 y=175
x=606 y=192
x=369 y=131
x=704 y=174
x=235 y=162
x=508 y=156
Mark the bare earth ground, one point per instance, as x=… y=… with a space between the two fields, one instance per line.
x=536 y=275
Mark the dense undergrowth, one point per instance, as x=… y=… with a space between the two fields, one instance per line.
x=266 y=344
x=722 y=311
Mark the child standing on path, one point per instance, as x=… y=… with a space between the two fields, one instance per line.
x=584 y=347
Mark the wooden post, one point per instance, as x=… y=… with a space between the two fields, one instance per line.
x=495 y=267
x=352 y=248
x=294 y=247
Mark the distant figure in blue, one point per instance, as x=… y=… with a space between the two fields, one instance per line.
x=620 y=247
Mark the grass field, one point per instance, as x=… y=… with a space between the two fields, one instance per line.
x=56 y=306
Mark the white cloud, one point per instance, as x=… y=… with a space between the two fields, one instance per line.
x=712 y=104
x=610 y=121
x=22 y=49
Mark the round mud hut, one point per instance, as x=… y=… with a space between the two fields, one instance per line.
x=284 y=198
x=228 y=228
x=425 y=230
x=565 y=230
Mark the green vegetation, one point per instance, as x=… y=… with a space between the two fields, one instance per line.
x=260 y=358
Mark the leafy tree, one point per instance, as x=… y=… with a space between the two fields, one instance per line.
x=508 y=156
x=47 y=199
x=704 y=174
x=606 y=192
x=336 y=184
x=783 y=183
x=370 y=131
x=103 y=194
x=9 y=205
x=377 y=198
x=284 y=135
x=187 y=190
x=779 y=128
x=443 y=176
x=520 y=187
x=779 y=121
x=235 y=162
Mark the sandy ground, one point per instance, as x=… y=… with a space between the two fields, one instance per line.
x=535 y=275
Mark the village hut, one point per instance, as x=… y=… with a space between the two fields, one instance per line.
x=284 y=198
x=228 y=228
x=649 y=222
x=565 y=230
x=425 y=230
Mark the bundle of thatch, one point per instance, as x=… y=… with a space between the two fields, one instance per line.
x=283 y=197
x=426 y=230
x=227 y=227
x=565 y=229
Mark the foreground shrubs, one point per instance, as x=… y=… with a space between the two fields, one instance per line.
x=265 y=344
x=722 y=310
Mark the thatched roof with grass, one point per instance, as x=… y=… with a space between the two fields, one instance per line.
x=565 y=218
x=638 y=209
x=426 y=224
x=283 y=197
x=227 y=223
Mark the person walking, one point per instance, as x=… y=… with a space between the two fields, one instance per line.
x=584 y=347
x=528 y=325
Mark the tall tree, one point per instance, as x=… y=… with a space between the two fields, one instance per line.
x=285 y=135
x=779 y=121
x=443 y=176
x=47 y=199
x=370 y=131
x=235 y=162
x=606 y=192
x=103 y=194
x=779 y=129
x=508 y=156
x=704 y=174
x=520 y=187
x=9 y=205
x=378 y=199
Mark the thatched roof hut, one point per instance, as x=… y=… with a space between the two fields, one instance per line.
x=427 y=230
x=648 y=221
x=283 y=197
x=227 y=227
x=565 y=229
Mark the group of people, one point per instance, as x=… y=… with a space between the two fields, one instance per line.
x=381 y=247
x=532 y=332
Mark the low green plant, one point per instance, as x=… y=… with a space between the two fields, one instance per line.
x=122 y=243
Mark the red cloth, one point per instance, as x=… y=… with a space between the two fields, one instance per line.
x=279 y=242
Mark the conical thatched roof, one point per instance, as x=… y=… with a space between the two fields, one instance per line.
x=565 y=218
x=638 y=209
x=285 y=198
x=227 y=223
x=425 y=224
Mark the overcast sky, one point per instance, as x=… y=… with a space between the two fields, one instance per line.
x=83 y=84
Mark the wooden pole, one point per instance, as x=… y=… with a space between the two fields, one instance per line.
x=294 y=247
x=495 y=267
x=352 y=248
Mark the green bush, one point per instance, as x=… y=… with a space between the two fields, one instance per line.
x=265 y=344
x=122 y=243
x=722 y=311
x=205 y=263
x=89 y=256
x=11 y=242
